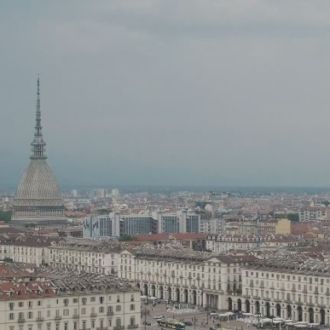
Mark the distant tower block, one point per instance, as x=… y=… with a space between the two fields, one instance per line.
x=38 y=199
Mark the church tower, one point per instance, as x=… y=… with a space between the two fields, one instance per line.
x=38 y=199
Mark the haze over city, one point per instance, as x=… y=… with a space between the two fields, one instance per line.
x=156 y=92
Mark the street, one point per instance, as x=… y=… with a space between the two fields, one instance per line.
x=202 y=319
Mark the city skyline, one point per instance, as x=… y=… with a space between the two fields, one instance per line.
x=166 y=93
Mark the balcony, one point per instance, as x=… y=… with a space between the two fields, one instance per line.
x=109 y=313
x=119 y=327
x=102 y=328
x=75 y=316
x=58 y=318
x=93 y=314
x=132 y=326
x=40 y=319
x=21 y=319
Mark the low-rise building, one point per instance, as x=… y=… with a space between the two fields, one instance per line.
x=225 y=243
x=182 y=275
x=288 y=286
x=50 y=300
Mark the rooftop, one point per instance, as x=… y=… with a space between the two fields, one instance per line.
x=29 y=282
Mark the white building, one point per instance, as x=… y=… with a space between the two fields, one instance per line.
x=26 y=249
x=225 y=243
x=288 y=287
x=183 y=275
x=86 y=256
x=312 y=214
x=65 y=301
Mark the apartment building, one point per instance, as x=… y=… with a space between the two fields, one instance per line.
x=85 y=256
x=26 y=248
x=52 y=300
x=286 y=286
x=183 y=275
x=312 y=213
x=225 y=243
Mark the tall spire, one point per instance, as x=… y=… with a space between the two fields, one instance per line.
x=38 y=144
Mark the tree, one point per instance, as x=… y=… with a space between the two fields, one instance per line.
x=5 y=215
x=126 y=237
x=294 y=217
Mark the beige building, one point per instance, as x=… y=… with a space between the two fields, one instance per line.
x=67 y=301
x=85 y=256
x=283 y=227
x=287 y=287
x=183 y=275
x=32 y=249
x=76 y=254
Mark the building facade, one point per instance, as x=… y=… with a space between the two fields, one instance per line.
x=286 y=287
x=184 y=276
x=67 y=301
x=225 y=243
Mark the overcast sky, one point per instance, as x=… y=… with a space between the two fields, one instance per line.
x=184 y=92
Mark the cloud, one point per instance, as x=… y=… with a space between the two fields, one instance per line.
x=190 y=91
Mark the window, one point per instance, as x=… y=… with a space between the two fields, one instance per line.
x=83 y=311
x=132 y=307
x=11 y=306
x=92 y=299
x=11 y=316
x=101 y=309
x=132 y=321
x=20 y=304
x=101 y=300
x=30 y=315
x=30 y=304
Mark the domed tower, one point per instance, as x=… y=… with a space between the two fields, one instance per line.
x=38 y=199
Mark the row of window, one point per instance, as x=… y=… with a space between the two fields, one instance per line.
x=85 y=324
x=288 y=277
x=66 y=301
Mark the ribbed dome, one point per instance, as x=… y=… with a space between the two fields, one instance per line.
x=39 y=183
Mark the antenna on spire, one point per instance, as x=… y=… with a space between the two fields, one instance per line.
x=38 y=85
x=38 y=144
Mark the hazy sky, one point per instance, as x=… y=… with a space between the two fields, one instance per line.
x=185 y=92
